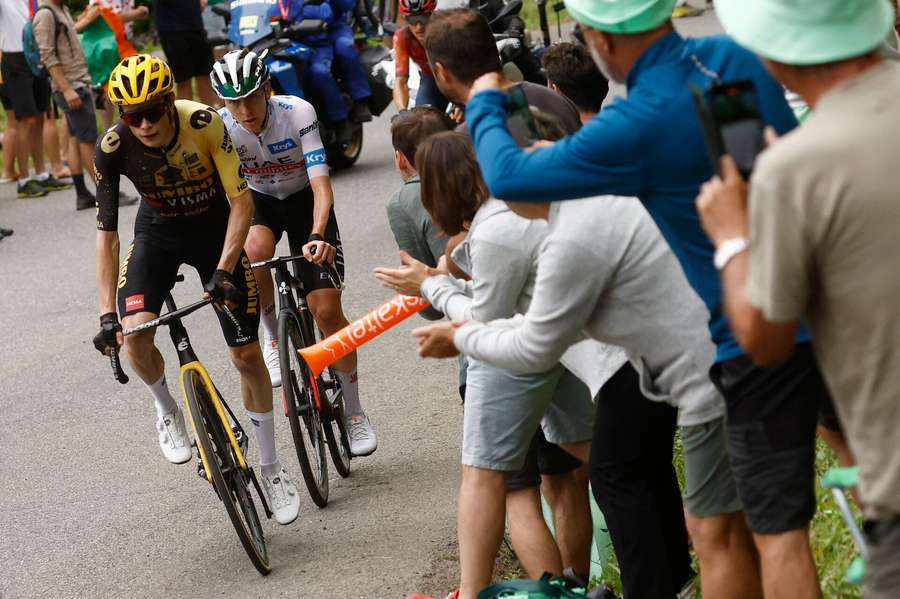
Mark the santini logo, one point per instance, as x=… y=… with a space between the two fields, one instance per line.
x=282 y=146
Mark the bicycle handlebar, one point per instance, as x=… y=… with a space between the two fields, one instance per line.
x=275 y=262
x=117 y=367
x=165 y=318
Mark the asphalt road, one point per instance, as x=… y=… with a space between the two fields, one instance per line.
x=90 y=508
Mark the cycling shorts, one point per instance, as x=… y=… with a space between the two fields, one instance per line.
x=151 y=265
x=294 y=216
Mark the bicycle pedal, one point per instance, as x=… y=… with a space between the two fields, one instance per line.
x=201 y=472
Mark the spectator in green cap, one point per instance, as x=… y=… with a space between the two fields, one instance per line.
x=822 y=230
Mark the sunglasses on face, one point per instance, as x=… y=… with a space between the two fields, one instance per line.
x=417 y=19
x=152 y=114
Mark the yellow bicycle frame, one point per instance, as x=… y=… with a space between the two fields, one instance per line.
x=197 y=367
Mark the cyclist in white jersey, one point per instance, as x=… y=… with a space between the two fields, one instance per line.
x=283 y=159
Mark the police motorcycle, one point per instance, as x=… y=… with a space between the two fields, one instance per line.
x=256 y=24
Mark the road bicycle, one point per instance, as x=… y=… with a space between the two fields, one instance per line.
x=218 y=436
x=314 y=405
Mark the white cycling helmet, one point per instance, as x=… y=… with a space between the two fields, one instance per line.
x=238 y=74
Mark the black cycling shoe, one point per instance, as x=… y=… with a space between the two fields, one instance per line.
x=85 y=201
x=361 y=112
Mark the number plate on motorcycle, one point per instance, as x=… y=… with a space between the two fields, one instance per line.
x=248 y=22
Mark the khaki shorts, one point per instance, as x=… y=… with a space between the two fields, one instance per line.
x=709 y=487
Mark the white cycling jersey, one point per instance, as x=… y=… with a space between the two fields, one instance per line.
x=286 y=154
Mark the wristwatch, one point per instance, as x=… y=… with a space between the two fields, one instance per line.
x=728 y=249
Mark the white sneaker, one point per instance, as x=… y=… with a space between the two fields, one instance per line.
x=173 y=437
x=361 y=433
x=270 y=355
x=282 y=496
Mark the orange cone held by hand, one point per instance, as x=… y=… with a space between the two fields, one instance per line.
x=331 y=349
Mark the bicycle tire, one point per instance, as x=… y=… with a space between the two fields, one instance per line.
x=339 y=443
x=230 y=482
x=305 y=420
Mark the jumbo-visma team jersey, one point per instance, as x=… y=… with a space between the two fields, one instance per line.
x=186 y=184
x=287 y=153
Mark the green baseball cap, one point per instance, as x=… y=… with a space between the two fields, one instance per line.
x=621 y=16
x=807 y=32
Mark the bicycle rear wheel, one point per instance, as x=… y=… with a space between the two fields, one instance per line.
x=229 y=480
x=335 y=429
x=298 y=386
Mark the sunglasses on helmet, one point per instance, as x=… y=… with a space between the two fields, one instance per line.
x=152 y=114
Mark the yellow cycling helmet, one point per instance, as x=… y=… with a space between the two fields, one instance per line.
x=138 y=79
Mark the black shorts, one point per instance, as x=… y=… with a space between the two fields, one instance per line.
x=151 y=265
x=4 y=99
x=28 y=95
x=294 y=216
x=188 y=54
x=771 y=436
x=543 y=457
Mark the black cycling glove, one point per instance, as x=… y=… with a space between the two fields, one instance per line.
x=106 y=338
x=222 y=287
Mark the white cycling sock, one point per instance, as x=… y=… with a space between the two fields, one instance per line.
x=42 y=176
x=165 y=403
x=350 y=385
x=264 y=425
x=270 y=321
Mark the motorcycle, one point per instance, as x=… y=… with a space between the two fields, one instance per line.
x=251 y=24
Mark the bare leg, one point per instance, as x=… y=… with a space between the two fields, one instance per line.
x=74 y=155
x=729 y=563
x=567 y=495
x=143 y=354
x=24 y=143
x=482 y=497
x=50 y=135
x=325 y=305
x=184 y=91
x=86 y=153
x=260 y=245
x=788 y=570
x=837 y=441
x=256 y=388
x=36 y=133
x=10 y=146
x=528 y=532
x=206 y=93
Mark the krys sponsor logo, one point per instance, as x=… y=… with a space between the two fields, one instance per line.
x=282 y=146
x=315 y=157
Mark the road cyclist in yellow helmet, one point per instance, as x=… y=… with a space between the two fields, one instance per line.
x=196 y=209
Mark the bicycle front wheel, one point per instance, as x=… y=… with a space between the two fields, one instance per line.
x=335 y=428
x=230 y=481
x=299 y=386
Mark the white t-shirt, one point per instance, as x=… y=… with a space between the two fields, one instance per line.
x=13 y=16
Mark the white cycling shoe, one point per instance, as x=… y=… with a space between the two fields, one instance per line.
x=270 y=356
x=281 y=495
x=361 y=433
x=173 y=437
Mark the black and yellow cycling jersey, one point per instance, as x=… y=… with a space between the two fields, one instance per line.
x=187 y=183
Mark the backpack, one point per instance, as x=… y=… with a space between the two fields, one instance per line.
x=30 y=47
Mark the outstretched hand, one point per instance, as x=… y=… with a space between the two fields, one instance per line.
x=406 y=280
x=436 y=341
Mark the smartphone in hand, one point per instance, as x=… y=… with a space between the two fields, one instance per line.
x=731 y=121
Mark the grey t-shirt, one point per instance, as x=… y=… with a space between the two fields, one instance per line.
x=824 y=219
x=605 y=272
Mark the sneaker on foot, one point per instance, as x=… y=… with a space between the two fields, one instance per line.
x=362 y=435
x=360 y=112
x=281 y=494
x=84 y=201
x=51 y=183
x=173 y=437
x=270 y=355
x=31 y=189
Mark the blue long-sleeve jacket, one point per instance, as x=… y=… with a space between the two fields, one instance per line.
x=649 y=145
x=299 y=10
